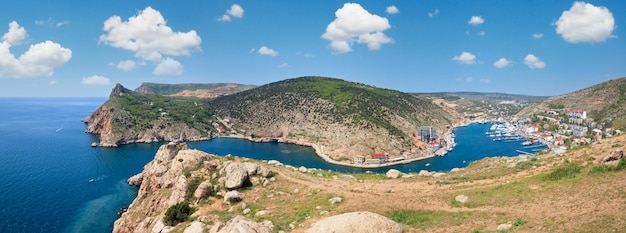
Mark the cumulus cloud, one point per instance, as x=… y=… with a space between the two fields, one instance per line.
x=168 y=67
x=534 y=62
x=38 y=61
x=537 y=35
x=355 y=24
x=148 y=35
x=16 y=34
x=584 y=22
x=392 y=10
x=502 y=62
x=96 y=80
x=267 y=51
x=433 y=13
x=127 y=65
x=465 y=58
x=476 y=20
x=234 y=11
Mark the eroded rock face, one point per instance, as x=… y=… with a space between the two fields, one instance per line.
x=204 y=189
x=613 y=158
x=355 y=222
x=241 y=224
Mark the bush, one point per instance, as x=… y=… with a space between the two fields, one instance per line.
x=178 y=213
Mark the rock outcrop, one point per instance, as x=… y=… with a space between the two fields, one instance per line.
x=356 y=222
x=613 y=158
x=236 y=176
x=240 y=224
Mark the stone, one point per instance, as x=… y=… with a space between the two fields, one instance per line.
x=232 y=196
x=260 y=213
x=334 y=200
x=240 y=224
x=324 y=212
x=195 y=227
x=438 y=174
x=246 y=211
x=216 y=227
x=135 y=180
x=274 y=162
x=613 y=158
x=461 y=198
x=251 y=168
x=424 y=173
x=204 y=189
x=505 y=226
x=302 y=169
x=236 y=176
x=356 y=222
x=393 y=173
x=265 y=172
x=158 y=227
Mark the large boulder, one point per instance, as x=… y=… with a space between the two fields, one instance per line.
x=613 y=158
x=232 y=196
x=393 y=173
x=241 y=224
x=195 y=227
x=204 y=189
x=356 y=222
x=236 y=176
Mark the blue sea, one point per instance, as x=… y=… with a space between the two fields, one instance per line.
x=46 y=163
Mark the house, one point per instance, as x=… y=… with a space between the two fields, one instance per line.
x=532 y=129
x=579 y=131
x=382 y=157
x=559 y=141
x=577 y=114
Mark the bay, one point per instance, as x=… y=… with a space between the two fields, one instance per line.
x=46 y=163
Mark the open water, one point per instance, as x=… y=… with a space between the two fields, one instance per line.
x=46 y=163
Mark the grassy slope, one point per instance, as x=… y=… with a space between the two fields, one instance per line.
x=169 y=89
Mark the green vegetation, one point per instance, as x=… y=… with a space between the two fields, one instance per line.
x=570 y=171
x=601 y=169
x=178 y=213
x=191 y=188
x=428 y=218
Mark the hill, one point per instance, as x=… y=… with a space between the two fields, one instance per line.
x=202 y=90
x=601 y=101
x=344 y=119
x=348 y=119
x=492 y=98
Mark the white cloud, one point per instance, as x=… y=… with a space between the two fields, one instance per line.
x=51 y=22
x=148 y=35
x=434 y=13
x=502 y=62
x=476 y=20
x=59 y=24
x=585 y=23
x=534 y=62
x=283 y=65
x=168 y=67
x=38 y=61
x=16 y=34
x=392 y=10
x=355 y=24
x=127 y=65
x=465 y=58
x=484 y=80
x=53 y=82
x=96 y=80
x=234 y=11
x=537 y=35
x=267 y=51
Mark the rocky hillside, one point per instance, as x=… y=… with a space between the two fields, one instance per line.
x=200 y=90
x=346 y=119
x=131 y=117
x=607 y=99
x=186 y=190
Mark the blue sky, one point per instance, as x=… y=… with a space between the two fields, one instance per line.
x=83 y=48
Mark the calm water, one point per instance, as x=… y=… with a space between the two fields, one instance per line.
x=46 y=163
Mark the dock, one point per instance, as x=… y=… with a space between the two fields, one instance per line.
x=524 y=152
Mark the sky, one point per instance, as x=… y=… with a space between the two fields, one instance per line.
x=77 y=48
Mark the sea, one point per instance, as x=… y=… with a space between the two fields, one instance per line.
x=46 y=164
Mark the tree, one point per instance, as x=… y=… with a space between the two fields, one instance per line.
x=178 y=213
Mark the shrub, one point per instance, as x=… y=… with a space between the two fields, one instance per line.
x=567 y=172
x=178 y=213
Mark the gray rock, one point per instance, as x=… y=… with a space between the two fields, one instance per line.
x=232 y=196
x=236 y=176
x=240 y=224
x=334 y=200
x=356 y=222
x=135 y=180
x=251 y=168
x=393 y=173
x=424 y=173
x=215 y=228
x=195 y=227
x=505 y=226
x=613 y=158
x=265 y=172
x=274 y=162
x=461 y=198
x=204 y=189
x=260 y=213
x=246 y=211
x=302 y=169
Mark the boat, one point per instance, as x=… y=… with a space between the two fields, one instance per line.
x=527 y=143
x=91 y=180
x=428 y=164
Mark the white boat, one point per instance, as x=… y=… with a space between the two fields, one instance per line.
x=428 y=164
x=527 y=143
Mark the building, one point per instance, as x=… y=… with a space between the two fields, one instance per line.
x=579 y=131
x=359 y=160
x=577 y=114
x=426 y=133
x=382 y=157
